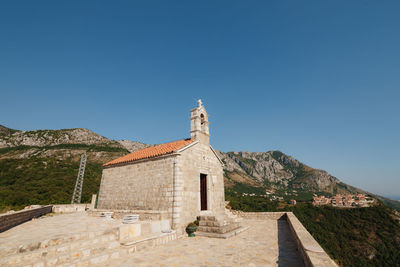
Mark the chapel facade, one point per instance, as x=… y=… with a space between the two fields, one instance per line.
x=183 y=179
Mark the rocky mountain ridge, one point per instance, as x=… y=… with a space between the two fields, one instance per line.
x=41 y=138
x=252 y=168
x=12 y=138
x=277 y=167
x=249 y=172
x=132 y=146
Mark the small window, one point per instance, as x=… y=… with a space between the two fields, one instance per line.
x=202 y=119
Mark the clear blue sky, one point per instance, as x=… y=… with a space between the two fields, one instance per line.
x=318 y=80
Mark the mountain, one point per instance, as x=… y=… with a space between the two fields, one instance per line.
x=132 y=146
x=276 y=173
x=38 y=167
x=13 y=138
x=7 y=131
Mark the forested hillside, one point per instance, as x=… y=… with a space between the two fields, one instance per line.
x=355 y=237
x=352 y=237
x=40 y=167
x=48 y=175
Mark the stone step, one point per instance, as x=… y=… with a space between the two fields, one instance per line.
x=54 y=242
x=233 y=217
x=221 y=219
x=63 y=252
x=83 y=257
x=85 y=254
x=89 y=257
x=150 y=241
x=206 y=218
x=101 y=255
x=211 y=223
x=217 y=223
x=219 y=229
x=225 y=235
x=210 y=218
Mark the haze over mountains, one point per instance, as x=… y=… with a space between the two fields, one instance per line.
x=45 y=163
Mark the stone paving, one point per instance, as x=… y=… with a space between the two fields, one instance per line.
x=52 y=226
x=266 y=243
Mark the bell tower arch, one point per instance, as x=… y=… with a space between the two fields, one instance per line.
x=199 y=125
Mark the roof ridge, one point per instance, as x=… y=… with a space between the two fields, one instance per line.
x=151 y=152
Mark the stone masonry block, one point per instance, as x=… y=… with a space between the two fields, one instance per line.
x=165 y=225
x=129 y=231
x=156 y=227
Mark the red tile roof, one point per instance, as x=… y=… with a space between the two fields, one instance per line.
x=151 y=152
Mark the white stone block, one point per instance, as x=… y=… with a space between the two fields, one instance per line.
x=178 y=198
x=99 y=259
x=86 y=253
x=177 y=204
x=115 y=255
x=129 y=231
x=156 y=227
x=165 y=225
x=82 y=264
x=146 y=228
x=178 y=194
x=177 y=209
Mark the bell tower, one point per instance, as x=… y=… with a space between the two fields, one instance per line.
x=199 y=130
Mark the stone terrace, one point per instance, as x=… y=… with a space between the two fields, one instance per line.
x=266 y=243
x=56 y=239
x=93 y=241
x=53 y=226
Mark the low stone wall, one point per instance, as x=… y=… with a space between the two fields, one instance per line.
x=130 y=232
x=259 y=215
x=144 y=215
x=10 y=220
x=69 y=208
x=311 y=252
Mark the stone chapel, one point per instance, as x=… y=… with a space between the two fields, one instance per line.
x=183 y=178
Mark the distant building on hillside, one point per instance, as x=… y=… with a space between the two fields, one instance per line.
x=348 y=201
x=322 y=200
x=337 y=200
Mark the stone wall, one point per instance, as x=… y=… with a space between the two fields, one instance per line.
x=10 y=220
x=144 y=215
x=69 y=208
x=196 y=160
x=259 y=215
x=144 y=185
x=312 y=253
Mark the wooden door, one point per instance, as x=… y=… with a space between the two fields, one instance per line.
x=203 y=191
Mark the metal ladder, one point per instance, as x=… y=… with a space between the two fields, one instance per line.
x=76 y=197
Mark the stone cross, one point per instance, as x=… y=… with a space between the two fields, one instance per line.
x=199 y=102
